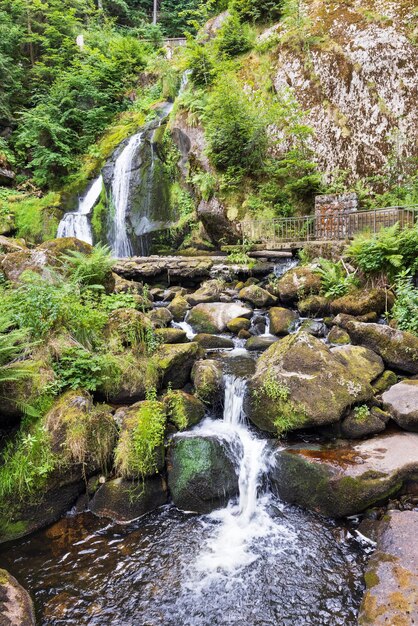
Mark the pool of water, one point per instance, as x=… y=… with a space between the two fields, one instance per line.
x=303 y=570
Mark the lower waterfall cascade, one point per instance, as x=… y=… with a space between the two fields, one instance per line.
x=76 y=223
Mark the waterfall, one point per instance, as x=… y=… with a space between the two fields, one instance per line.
x=77 y=223
x=122 y=175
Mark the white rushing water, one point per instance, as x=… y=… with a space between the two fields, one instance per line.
x=122 y=175
x=77 y=223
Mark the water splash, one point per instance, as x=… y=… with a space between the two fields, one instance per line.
x=77 y=223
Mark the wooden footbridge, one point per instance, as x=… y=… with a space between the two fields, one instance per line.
x=294 y=232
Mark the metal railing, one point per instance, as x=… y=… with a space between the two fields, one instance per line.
x=327 y=226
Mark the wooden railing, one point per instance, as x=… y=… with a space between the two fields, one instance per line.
x=329 y=227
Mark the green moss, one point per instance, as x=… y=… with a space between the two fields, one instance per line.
x=36 y=219
x=371 y=579
x=100 y=217
x=201 y=322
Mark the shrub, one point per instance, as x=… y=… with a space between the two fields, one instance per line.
x=336 y=281
x=91 y=269
x=233 y=38
x=405 y=309
x=257 y=10
x=13 y=344
x=78 y=368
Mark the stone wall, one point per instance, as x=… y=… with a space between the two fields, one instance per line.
x=330 y=215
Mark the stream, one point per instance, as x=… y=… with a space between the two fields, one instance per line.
x=256 y=562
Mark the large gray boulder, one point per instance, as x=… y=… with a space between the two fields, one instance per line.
x=213 y=317
x=201 y=473
x=16 y=606
x=299 y=382
x=391 y=577
x=398 y=349
x=401 y=400
x=342 y=479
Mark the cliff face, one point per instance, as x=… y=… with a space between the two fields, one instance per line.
x=356 y=72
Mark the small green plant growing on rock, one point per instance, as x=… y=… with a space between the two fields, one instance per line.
x=176 y=409
x=289 y=415
x=361 y=413
x=336 y=280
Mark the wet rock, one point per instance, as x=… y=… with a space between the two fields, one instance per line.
x=401 y=401
x=299 y=382
x=298 y=283
x=363 y=301
x=175 y=361
x=364 y=422
x=282 y=320
x=338 y=336
x=161 y=317
x=178 y=307
x=257 y=296
x=183 y=409
x=391 y=577
x=244 y=334
x=207 y=378
x=16 y=606
x=237 y=324
x=171 y=335
x=260 y=343
x=386 y=380
x=345 y=479
x=214 y=317
x=314 y=327
x=398 y=349
x=314 y=306
x=201 y=474
x=213 y=342
x=123 y=500
x=208 y=292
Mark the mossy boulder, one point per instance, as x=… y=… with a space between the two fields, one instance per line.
x=363 y=422
x=386 y=380
x=314 y=306
x=257 y=296
x=124 y=500
x=170 y=335
x=126 y=328
x=363 y=363
x=214 y=317
x=363 y=301
x=297 y=284
x=213 y=342
x=18 y=394
x=183 y=409
x=299 y=382
x=282 y=320
x=401 y=401
x=391 y=577
x=161 y=317
x=260 y=343
x=16 y=606
x=341 y=479
x=208 y=292
x=140 y=448
x=201 y=474
x=178 y=307
x=132 y=377
x=237 y=324
x=398 y=349
x=207 y=379
x=174 y=363
x=338 y=336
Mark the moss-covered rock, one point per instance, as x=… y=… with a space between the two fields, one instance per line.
x=178 y=307
x=401 y=401
x=238 y=324
x=260 y=343
x=174 y=363
x=338 y=336
x=16 y=606
x=299 y=382
x=362 y=362
x=345 y=479
x=214 y=317
x=363 y=422
x=201 y=475
x=140 y=448
x=314 y=306
x=170 y=335
x=207 y=379
x=386 y=380
x=183 y=409
x=127 y=328
x=132 y=376
x=363 y=301
x=161 y=317
x=16 y=395
x=213 y=342
x=208 y=292
x=297 y=284
x=282 y=320
x=398 y=349
x=257 y=296
x=124 y=500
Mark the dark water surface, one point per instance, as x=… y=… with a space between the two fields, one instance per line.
x=304 y=571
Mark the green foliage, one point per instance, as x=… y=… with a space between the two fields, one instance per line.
x=176 y=409
x=78 y=368
x=114 y=301
x=36 y=218
x=87 y=270
x=13 y=345
x=387 y=253
x=182 y=203
x=361 y=413
x=336 y=280
x=257 y=10
x=200 y=63
x=274 y=390
x=405 y=309
x=239 y=254
x=205 y=183
x=233 y=38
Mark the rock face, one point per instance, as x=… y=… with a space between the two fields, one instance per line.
x=299 y=382
x=363 y=301
x=16 y=607
x=401 y=401
x=201 y=476
x=392 y=574
x=123 y=500
x=313 y=306
x=298 y=282
x=398 y=349
x=339 y=480
x=365 y=72
x=214 y=317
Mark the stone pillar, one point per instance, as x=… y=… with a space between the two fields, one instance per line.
x=332 y=213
